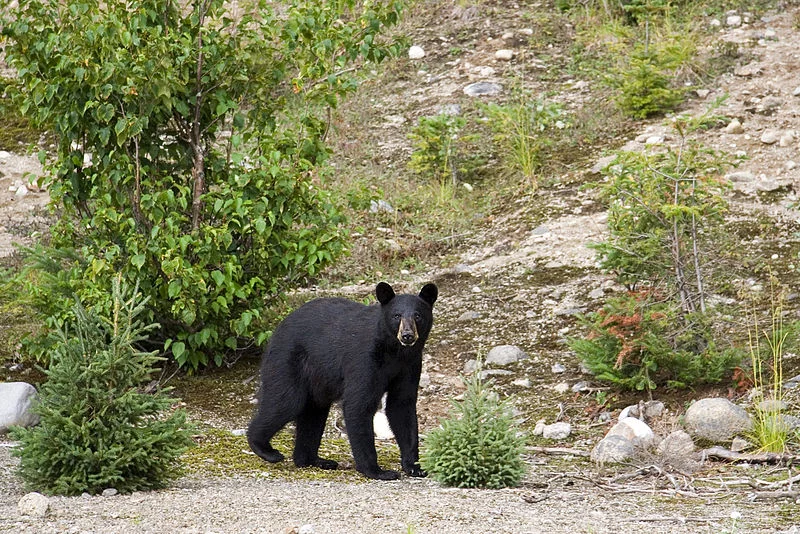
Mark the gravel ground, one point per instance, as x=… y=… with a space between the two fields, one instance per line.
x=548 y=502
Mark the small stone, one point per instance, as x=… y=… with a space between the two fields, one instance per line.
x=677 y=444
x=703 y=93
x=539 y=428
x=378 y=206
x=306 y=529
x=557 y=368
x=740 y=445
x=380 y=426
x=470 y=366
x=504 y=55
x=786 y=140
x=239 y=432
x=734 y=127
x=522 y=383
x=561 y=387
x=634 y=430
x=505 y=354
x=34 y=505
x=109 y=492
x=741 y=176
x=612 y=449
x=770 y=137
x=5 y=155
x=733 y=21
x=416 y=52
x=558 y=430
x=469 y=316
x=476 y=289
x=21 y=191
x=483 y=89
x=602 y=164
x=597 y=293
x=796 y=91
x=580 y=387
x=654 y=140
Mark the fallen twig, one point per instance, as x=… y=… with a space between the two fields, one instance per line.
x=560 y=450
x=774 y=495
x=757 y=458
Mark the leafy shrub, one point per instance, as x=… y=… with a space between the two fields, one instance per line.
x=638 y=343
x=189 y=147
x=478 y=446
x=97 y=430
x=521 y=132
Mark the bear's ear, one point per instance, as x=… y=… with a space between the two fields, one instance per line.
x=429 y=293
x=384 y=292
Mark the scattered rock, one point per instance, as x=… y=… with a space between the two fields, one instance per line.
x=602 y=164
x=740 y=176
x=34 y=505
x=770 y=137
x=677 y=444
x=716 y=419
x=650 y=410
x=733 y=21
x=416 y=52
x=787 y=139
x=483 y=89
x=634 y=430
x=740 y=445
x=239 y=432
x=561 y=387
x=557 y=368
x=538 y=430
x=560 y=430
x=580 y=387
x=16 y=402
x=734 y=127
x=612 y=449
x=523 y=383
x=378 y=206
x=505 y=354
x=469 y=316
x=109 y=492
x=504 y=55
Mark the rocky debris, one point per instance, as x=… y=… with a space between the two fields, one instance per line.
x=716 y=419
x=504 y=54
x=560 y=430
x=676 y=445
x=646 y=411
x=634 y=430
x=505 y=355
x=772 y=405
x=740 y=444
x=734 y=127
x=33 y=505
x=16 y=402
x=416 y=52
x=109 y=492
x=483 y=89
x=611 y=450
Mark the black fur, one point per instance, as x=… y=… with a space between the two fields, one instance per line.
x=336 y=349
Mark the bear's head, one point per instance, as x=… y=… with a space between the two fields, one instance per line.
x=408 y=317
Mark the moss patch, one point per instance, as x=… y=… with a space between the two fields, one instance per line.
x=220 y=453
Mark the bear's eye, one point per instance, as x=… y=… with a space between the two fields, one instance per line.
x=417 y=316
x=396 y=316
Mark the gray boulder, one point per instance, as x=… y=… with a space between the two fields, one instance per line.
x=16 y=403
x=716 y=419
x=612 y=449
x=634 y=430
x=677 y=444
x=33 y=505
x=558 y=430
x=505 y=354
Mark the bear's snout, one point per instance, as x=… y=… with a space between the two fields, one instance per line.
x=407 y=332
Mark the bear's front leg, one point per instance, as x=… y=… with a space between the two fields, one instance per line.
x=401 y=410
x=360 y=432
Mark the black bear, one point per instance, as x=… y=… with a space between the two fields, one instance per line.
x=334 y=349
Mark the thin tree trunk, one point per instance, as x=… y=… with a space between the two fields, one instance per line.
x=196 y=142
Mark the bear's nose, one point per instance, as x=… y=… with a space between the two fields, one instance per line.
x=408 y=338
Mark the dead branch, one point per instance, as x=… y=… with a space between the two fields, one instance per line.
x=560 y=450
x=758 y=458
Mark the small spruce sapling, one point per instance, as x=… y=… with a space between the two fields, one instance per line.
x=479 y=445
x=97 y=428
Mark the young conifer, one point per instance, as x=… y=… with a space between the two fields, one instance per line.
x=479 y=445
x=98 y=429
